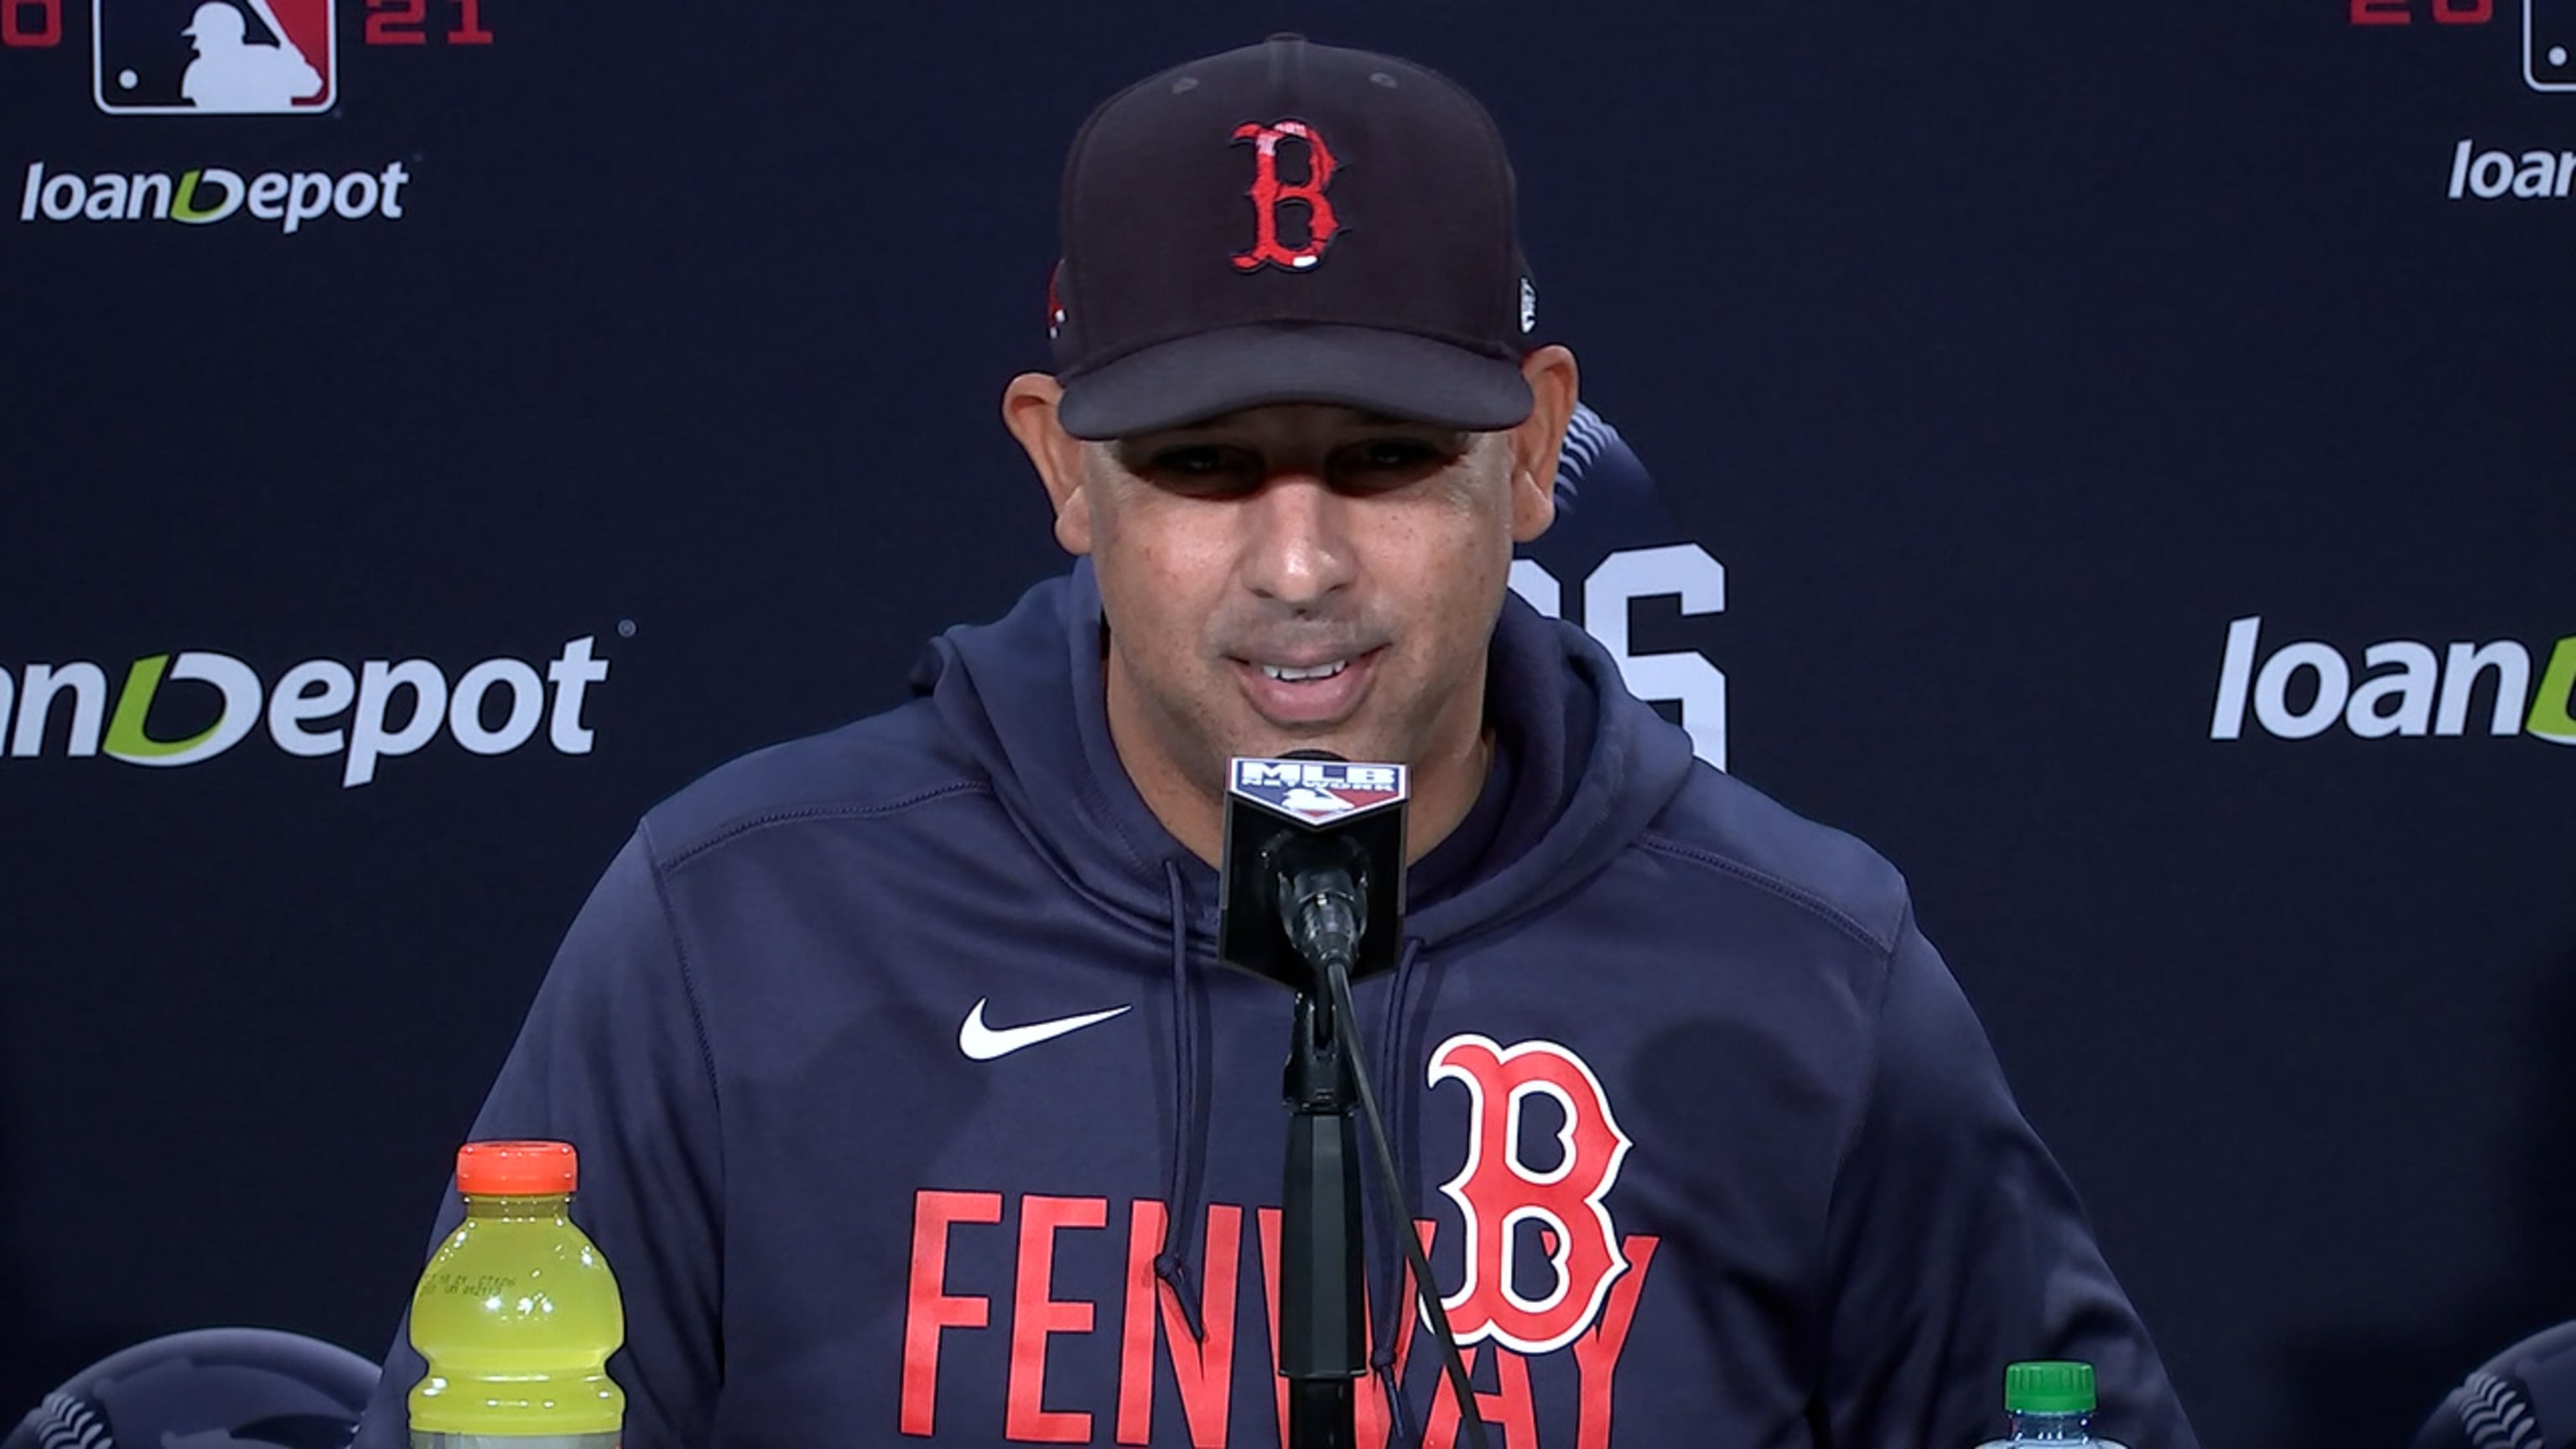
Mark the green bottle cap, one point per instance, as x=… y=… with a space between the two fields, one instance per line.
x=2048 y=1386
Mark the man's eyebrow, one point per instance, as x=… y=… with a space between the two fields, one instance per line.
x=1386 y=420
x=1449 y=442
x=1134 y=450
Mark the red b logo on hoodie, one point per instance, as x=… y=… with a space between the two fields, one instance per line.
x=1498 y=1190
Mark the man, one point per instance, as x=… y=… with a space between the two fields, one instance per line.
x=911 y=1096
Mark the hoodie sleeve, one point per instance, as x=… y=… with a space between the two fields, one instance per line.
x=613 y=1059
x=1957 y=1246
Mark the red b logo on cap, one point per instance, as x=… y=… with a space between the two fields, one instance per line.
x=1269 y=193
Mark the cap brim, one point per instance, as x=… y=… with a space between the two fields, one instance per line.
x=1192 y=379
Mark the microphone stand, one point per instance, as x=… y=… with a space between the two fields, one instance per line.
x=1322 y=1347
x=1310 y=902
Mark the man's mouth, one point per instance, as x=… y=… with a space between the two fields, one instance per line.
x=1309 y=692
x=1295 y=673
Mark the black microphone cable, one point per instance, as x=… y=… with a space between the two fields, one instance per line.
x=1322 y=906
x=1337 y=975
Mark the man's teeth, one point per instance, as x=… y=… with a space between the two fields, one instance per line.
x=1320 y=671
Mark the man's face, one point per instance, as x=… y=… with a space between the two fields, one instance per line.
x=1299 y=577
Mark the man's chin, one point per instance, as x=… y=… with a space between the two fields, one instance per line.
x=1347 y=740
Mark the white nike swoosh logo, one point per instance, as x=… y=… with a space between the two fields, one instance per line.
x=984 y=1043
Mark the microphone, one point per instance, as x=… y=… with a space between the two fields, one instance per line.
x=1323 y=896
x=1312 y=869
x=1311 y=885
x=1311 y=896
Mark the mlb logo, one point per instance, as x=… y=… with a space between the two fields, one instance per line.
x=220 y=57
x=1317 y=791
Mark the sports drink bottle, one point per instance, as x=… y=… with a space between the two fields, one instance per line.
x=517 y=1313
x=2051 y=1404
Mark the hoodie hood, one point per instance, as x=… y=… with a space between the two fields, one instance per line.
x=1591 y=763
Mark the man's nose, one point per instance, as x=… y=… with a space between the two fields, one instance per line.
x=1297 y=545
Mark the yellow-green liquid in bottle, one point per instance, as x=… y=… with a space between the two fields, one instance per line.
x=517 y=1314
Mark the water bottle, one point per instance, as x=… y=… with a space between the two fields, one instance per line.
x=517 y=1313
x=2050 y=1402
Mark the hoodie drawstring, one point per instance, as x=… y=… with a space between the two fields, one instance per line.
x=1181 y=1207
x=1393 y=1049
x=1396 y=1093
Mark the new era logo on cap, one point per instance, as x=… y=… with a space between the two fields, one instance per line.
x=1289 y=222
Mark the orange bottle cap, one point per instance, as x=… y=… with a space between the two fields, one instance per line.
x=516 y=1169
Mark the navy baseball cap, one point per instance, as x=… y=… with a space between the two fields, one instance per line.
x=1290 y=222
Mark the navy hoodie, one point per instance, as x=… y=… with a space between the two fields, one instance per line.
x=1705 y=1143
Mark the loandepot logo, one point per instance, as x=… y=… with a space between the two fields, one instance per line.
x=320 y=708
x=2404 y=687
x=210 y=194
x=2490 y=174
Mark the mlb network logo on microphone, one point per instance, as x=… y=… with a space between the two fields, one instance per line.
x=222 y=57
x=1317 y=791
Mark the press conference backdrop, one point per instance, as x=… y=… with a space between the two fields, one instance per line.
x=2115 y=458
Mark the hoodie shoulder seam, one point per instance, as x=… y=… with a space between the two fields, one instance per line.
x=769 y=818
x=1863 y=1105
x=1805 y=900
x=688 y=974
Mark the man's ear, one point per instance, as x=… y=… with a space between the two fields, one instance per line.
x=1029 y=411
x=1552 y=378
